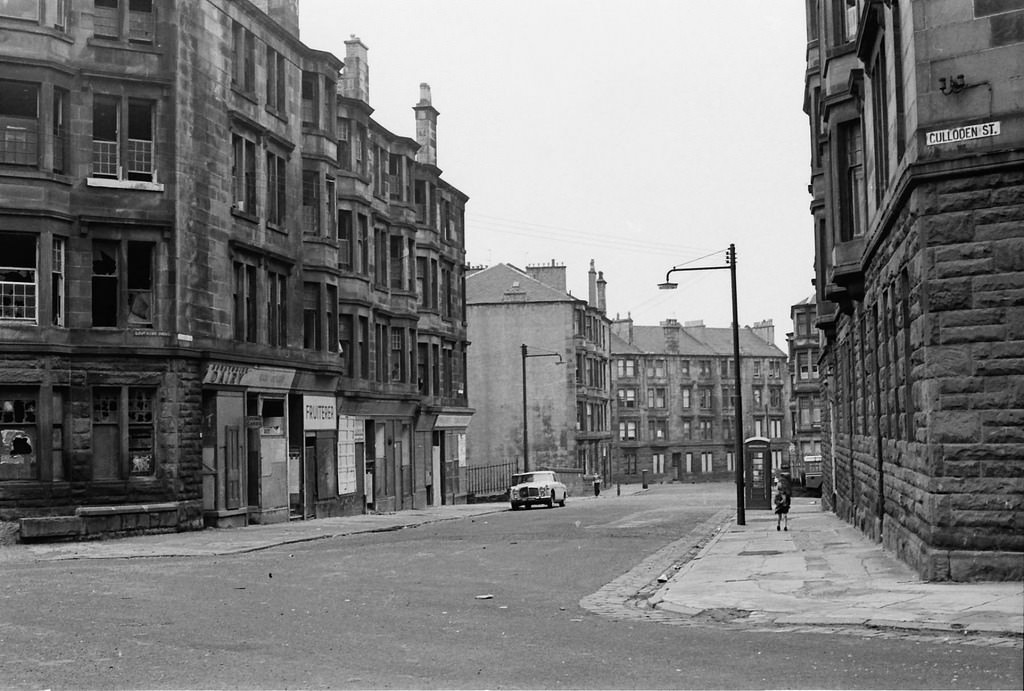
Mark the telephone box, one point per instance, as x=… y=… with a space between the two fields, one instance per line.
x=757 y=459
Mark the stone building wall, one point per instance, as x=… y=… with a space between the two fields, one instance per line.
x=948 y=281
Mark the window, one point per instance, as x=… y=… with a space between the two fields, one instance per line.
x=19 y=123
x=380 y=257
x=122 y=284
x=277 y=308
x=656 y=397
x=803 y=323
x=57 y=290
x=687 y=429
x=705 y=368
x=705 y=429
x=627 y=398
x=685 y=395
x=345 y=352
x=276 y=180
x=332 y=319
x=243 y=173
x=728 y=397
x=757 y=368
x=629 y=463
x=344 y=149
x=276 y=82
x=705 y=393
x=109 y=20
x=658 y=463
x=684 y=368
x=363 y=245
x=245 y=286
x=312 y=332
x=19 y=434
x=775 y=428
x=345 y=239
x=398 y=364
x=59 y=126
x=728 y=428
x=880 y=119
x=364 y=347
x=758 y=427
x=398 y=258
x=757 y=395
x=311 y=202
x=114 y=409
x=658 y=430
x=122 y=139
x=850 y=175
x=332 y=208
x=845 y=14
x=243 y=49
x=20 y=9
x=18 y=277
x=626 y=367
x=310 y=100
x=655 y=368
x=775 y=397
x=774 y=369
x=627 y=431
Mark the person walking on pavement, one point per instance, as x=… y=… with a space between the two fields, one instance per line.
x=781 y=503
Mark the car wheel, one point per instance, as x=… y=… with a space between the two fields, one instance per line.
x=515 y=506
x=562 y=503
x=551 y=501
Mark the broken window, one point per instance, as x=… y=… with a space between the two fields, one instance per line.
x=18 y=434
x=111 y=275
x=18 y=274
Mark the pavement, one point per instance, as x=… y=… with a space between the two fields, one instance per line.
x=821 y=572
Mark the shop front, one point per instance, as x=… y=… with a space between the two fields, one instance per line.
x=375 y=453
x=245 y=444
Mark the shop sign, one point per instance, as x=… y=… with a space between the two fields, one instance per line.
x=318 y=412
x=223 y=374
x=962 y=133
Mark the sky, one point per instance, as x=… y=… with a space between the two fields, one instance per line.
x=640 y=134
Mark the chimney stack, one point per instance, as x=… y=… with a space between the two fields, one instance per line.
x=426 y=127
x=355 y=77
x=602 y=306
x=592 y=285
x=284 y=12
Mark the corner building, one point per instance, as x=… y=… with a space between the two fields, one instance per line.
x=211 y=309
x=917 y=179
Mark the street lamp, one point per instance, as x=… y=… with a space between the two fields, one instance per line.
x=526 y=439
x=730 y=258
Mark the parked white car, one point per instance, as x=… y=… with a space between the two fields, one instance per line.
x=537 y=487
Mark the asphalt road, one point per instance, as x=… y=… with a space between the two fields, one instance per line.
x=490 y=602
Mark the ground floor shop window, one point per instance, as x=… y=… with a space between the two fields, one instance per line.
x=18 y=434
x=122 y=432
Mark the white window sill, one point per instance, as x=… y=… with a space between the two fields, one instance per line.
x=125 y=184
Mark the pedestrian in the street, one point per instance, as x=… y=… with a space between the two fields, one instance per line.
x=781 y=503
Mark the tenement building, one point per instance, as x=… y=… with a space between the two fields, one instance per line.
x=805 y=397
x=539 y=372
x=674 y=416
x=227 y=295
x=917 y=178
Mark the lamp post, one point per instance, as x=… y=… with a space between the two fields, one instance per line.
x=730 y=259
x=526 y=438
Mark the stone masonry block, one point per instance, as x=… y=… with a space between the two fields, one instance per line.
x=986 y=566
x=1008 y=255
x=948 y=229
x=965 y=267
x=973 y=334
x=949 y=294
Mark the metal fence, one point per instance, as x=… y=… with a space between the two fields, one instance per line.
x=489 y=480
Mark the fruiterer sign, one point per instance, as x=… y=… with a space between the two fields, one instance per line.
x=319 y=412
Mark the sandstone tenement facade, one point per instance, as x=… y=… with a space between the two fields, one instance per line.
x=917 y=179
